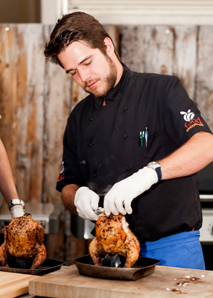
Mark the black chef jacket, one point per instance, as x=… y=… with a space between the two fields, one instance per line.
x=101 y=147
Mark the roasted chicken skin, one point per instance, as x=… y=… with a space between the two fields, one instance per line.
x=113 y=236
x=23 y=238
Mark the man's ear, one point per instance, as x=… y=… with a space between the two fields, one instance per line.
x=110 y=50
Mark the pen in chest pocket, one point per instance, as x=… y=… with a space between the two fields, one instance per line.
x=146 y=136
x=143 y=139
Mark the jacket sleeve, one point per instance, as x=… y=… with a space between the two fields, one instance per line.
x=182 y=117
x=70 y=173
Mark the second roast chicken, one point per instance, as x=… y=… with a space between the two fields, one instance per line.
x=23 y=238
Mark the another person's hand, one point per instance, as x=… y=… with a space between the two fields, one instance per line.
x=86 y=201
x=119 y=198
x=17 y=211
x=16 y=207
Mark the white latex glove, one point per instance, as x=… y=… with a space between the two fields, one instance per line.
x=86 y=201
x=17 y=211
x=119 y=198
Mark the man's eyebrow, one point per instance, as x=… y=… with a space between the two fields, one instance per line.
x=81 y=62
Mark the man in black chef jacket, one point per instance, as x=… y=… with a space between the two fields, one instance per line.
x=137 y=139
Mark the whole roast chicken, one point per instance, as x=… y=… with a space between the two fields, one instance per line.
x=114 y=237
x=23 y=238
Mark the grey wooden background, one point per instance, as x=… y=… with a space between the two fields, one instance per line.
x=36 y=98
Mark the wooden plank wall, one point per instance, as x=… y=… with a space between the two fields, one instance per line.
x=36 y=97
x=35 y=103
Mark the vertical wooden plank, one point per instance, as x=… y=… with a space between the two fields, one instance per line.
x=204 y=80
x=159 y=49
x=57 y=106
x=185 y=52
x=30 y=111
x=114 y=33
x=132 y=47
x=8 y=91
x=147 y=48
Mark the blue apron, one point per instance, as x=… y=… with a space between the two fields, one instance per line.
x=180 y=250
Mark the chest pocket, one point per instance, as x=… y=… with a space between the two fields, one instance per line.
x=147 y=150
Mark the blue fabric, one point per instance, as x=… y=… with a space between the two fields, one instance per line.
x=180 y=250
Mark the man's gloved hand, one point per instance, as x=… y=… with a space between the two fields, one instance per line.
x=17 y=211
x=119 y=198
x=86 y=201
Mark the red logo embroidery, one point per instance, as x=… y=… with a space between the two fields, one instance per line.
x=60 y=177
x=192 y=123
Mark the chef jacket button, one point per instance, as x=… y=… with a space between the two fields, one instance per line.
x=90 y=145
x=125 y=108
x=95 y=175
x=127 y=168
x=90 y=119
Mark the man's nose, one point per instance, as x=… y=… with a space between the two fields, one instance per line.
x=84 y=75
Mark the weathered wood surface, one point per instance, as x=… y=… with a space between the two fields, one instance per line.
x=132 y=47
x=30 y=96
x=57 y=107
x=37 y=96
x=161 y=49
x=164 y=282
x=204 y=75
x=185 y=50
x=35 y=101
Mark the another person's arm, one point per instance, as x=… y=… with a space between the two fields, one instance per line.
x=7 y=185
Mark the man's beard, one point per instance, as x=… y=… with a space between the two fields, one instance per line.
x=109 y=81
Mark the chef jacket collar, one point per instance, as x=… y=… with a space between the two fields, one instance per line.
x=117 y=90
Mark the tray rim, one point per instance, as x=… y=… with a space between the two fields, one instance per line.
x=132 y=273
x=37 y=271
x=119 y=268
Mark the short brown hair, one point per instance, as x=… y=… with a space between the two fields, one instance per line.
x=73 y=27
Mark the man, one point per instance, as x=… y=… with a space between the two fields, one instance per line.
x=7 y=186
x=133 y=145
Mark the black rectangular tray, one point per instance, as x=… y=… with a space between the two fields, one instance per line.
x=48 y=266
x=143 y=267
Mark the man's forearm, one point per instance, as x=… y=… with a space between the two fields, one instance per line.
x=68 y=195
x=194 y=155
